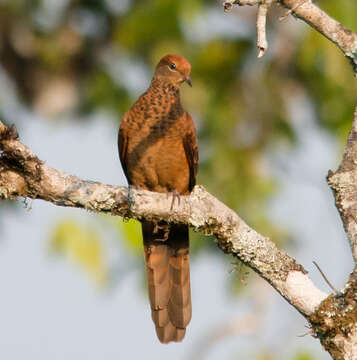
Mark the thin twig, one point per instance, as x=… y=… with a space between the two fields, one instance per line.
x=290 y=11
x=228 y=4
x=325 y=278
x=263 y=6
x=262 y=42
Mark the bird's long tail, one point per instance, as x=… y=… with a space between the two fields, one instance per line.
x=168 y=279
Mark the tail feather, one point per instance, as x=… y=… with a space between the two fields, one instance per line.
x=160 y=317
x=180 y=334
x=158 y=275
x=179 y=308
x=170 y=333
x=168 y=278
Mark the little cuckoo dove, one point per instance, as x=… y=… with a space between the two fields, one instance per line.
x=158 y=152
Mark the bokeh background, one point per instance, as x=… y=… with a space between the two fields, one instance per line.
x=72 y=283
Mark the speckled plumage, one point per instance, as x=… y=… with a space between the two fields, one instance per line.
x=158 y=152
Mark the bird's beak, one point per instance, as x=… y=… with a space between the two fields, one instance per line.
x=188 y=80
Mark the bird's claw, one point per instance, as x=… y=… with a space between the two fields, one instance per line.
x=175 y=196
x=161 y=229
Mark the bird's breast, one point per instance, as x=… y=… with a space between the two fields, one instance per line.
x=156 y=159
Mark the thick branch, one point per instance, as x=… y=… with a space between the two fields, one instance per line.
x=23 y=174
x=344 y=38
x=344 y=185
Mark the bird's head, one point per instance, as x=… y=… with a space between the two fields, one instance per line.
x=173 y=69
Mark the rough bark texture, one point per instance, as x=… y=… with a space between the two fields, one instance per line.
x=343 y=182
x=335 y=322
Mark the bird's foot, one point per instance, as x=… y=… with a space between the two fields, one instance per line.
x=175 y=196
x=162 y=230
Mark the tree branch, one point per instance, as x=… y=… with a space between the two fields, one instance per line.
x=343 y=183
x=335 y=320
x=307 y=11
x=23 y=174
x=343 y=37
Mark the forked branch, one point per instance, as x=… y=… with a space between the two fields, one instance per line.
x=307 y=11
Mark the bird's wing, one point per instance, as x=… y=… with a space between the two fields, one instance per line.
x=191 y=149
x=123 y=143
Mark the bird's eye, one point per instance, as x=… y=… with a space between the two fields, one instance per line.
x=172 y=66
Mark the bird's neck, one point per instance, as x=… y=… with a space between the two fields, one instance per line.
x=165 y=88
x=164 y=98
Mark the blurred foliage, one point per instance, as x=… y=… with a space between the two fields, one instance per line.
x=81 y=55
x=329 y=81
x=131 y=235
x=80 y=244
x=268 y=355
x=302 y=355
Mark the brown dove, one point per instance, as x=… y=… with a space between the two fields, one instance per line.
x=158 y=152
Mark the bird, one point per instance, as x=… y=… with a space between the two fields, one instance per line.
x=158 y=152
